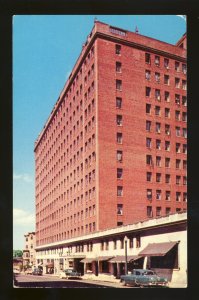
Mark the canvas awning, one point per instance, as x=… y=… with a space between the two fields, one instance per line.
x=88 y=260
x=122 y=259
x=157 y=249
x=103 y=258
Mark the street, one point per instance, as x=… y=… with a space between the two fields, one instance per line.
x=49 y=281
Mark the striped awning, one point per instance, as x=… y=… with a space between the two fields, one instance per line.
x=157 y=249
x=122 y=259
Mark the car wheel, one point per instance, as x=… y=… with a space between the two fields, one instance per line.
x=123 y=283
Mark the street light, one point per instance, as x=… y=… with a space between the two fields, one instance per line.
x=126 y=260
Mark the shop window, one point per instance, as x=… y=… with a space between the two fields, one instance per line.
x=168 y=261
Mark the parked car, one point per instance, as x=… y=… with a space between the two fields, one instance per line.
x=143 y=277
x=69 y=273
x=37 y=271
x=28 y=271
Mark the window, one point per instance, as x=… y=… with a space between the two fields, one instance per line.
x=177 y=99
x=119 y=102
x=185 y=197
x=177 y=115
x=149 y=194
x=167 y=129
x=157 y=60
x=118 y=84
x=184 y=165
x=177 y=66
x=119 y=120
x=122 y=244
x=148 y=91
x=167 y=211
x=148 y=142
x=149 y=211
x=158 y=211
x=138 y=242
x=148 y=125
x=118 y=67
x=119 y=173
x=178 y=162
x=184 y=180
x=158 y=161
x=184 y=148
x=131 y=242
x=178 y=196
x=166 y=79
x=157 y=110
x=119 y=155
x=167 y=195
x=178 y=179
x=167 y=112
x=117 y=49
x=157 y=77
x=114 y=244
x=177 y=83
x=177 y=131
x=148 y=108
x=184 y=69
x=147 y=58
x=157 y=127
x=157 y=94
x=167 y=178
x=184 y=116
x=177 y=147
x=149 y=176
x=158 y=177
x=166 y=63
x=119 y=191
x=184 y=85
x=158 y=144
x=184 y=100
x=149 y=160
x=148 y=74
x=158 y=194
x=166 y=96
x=119 y=223
x=119 y=137
x=120 y=209
x=184 y=132
x=167 y=162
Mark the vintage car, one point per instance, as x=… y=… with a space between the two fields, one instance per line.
x=143 y=278
x=37 y=271
x=69 y=273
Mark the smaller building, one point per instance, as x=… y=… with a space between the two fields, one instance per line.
x=159 y=244
x=29 y=250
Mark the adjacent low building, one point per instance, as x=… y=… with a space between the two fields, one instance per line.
x=29 y=252
x=159 y=244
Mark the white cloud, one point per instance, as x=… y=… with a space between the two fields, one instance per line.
x=182 y=16
x=22 y=217
x=24 y=177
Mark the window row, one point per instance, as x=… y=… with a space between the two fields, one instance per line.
x=166 y=79
x=158 y=95
x=167 y=129
x=158 y=178
x=158 y=162
x=167 y=195
x=167 y=112
x=159 y=211
x=178 y=66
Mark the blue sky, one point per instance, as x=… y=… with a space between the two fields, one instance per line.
x=45 y=49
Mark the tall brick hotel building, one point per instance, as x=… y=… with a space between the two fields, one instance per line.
x=113 y=151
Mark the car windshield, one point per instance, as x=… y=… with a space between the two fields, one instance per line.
x=149 y=273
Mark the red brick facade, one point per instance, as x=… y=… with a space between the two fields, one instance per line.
x=99 y=147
